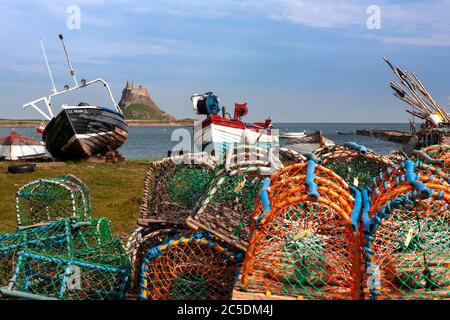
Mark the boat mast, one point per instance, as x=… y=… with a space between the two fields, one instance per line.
x=48 y=68
x=72 y=72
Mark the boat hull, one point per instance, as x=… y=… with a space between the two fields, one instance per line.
x=217 y=134
x=82 y=132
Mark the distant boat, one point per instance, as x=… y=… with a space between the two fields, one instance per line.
x=19 y=147
x=83 y=130
x=309 y=143
x=290 y=135
x=40 y=130
x=219 y=129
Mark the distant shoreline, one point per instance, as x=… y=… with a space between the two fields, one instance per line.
x=131 y=123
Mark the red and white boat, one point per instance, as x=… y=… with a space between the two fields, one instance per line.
x=19 y=147
x=41 y=128
x=220 y=129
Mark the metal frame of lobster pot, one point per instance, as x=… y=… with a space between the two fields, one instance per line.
x=46 y=200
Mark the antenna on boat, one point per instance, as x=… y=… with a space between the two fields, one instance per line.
x=48 y=68
x=72 y=73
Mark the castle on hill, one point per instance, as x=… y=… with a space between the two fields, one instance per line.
x=139 y=90
x=136 y=103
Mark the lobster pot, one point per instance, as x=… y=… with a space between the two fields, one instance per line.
x=59 y=239
x=353 y=162
x=9 y=246
x=303 y=244
x=91 y=233
x=195 y=268
x=227 y=209
x=407 y=245
x=47 y=200
x=145 y=238
x=93 y=274
x=228 y=205
x=439 y=152
x=176 y=184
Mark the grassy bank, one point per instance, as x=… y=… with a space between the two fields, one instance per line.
x=4 y=123
x=132 y=123
x=116 y=190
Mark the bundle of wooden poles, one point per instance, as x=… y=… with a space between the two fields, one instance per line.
x=411 y=90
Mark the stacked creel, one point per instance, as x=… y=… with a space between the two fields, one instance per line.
x=175 y=184
x=305 y=240
x=228 y=205
x=406 y=221
x=172 y=188
x=60 y=251
x=46 y=200
x=221 y=213
x=144 y=239
x=189 y=268
x=353 y=162
x=439 y=152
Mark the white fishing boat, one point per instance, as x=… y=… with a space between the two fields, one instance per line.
x=309 y=143
x=220 y=129
x=291 y=135
x=18 y=147
x=83 y=130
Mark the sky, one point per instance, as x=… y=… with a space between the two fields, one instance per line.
x=293 y=60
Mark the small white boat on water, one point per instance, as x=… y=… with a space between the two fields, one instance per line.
x=309 y=143
x=292 y=135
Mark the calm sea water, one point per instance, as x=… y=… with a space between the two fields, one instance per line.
x=154 y=142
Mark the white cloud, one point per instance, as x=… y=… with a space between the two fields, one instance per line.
x=406 y=23
x=324 y=14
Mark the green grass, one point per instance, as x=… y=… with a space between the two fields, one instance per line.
x=142 y=111
x=116 y=190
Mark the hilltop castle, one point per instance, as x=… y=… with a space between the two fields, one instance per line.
x=131 y=93
x=136 y=103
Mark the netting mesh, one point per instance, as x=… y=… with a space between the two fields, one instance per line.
x=229 y=202
x=52 y=199
x=303 y=246
x=145 y=238
x=194 y=268
x=64 y=260
x=439 y=152
x=407 y=234
x=353 y=162
x=176 y=183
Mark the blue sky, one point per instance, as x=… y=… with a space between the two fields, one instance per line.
x=292 y=60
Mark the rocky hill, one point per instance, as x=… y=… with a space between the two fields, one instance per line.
x=136 y=104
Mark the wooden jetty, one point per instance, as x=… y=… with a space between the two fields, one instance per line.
x=391 y=135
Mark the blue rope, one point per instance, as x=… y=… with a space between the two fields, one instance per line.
x=310 y=177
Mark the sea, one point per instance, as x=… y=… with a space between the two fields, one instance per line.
x=146 y=143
